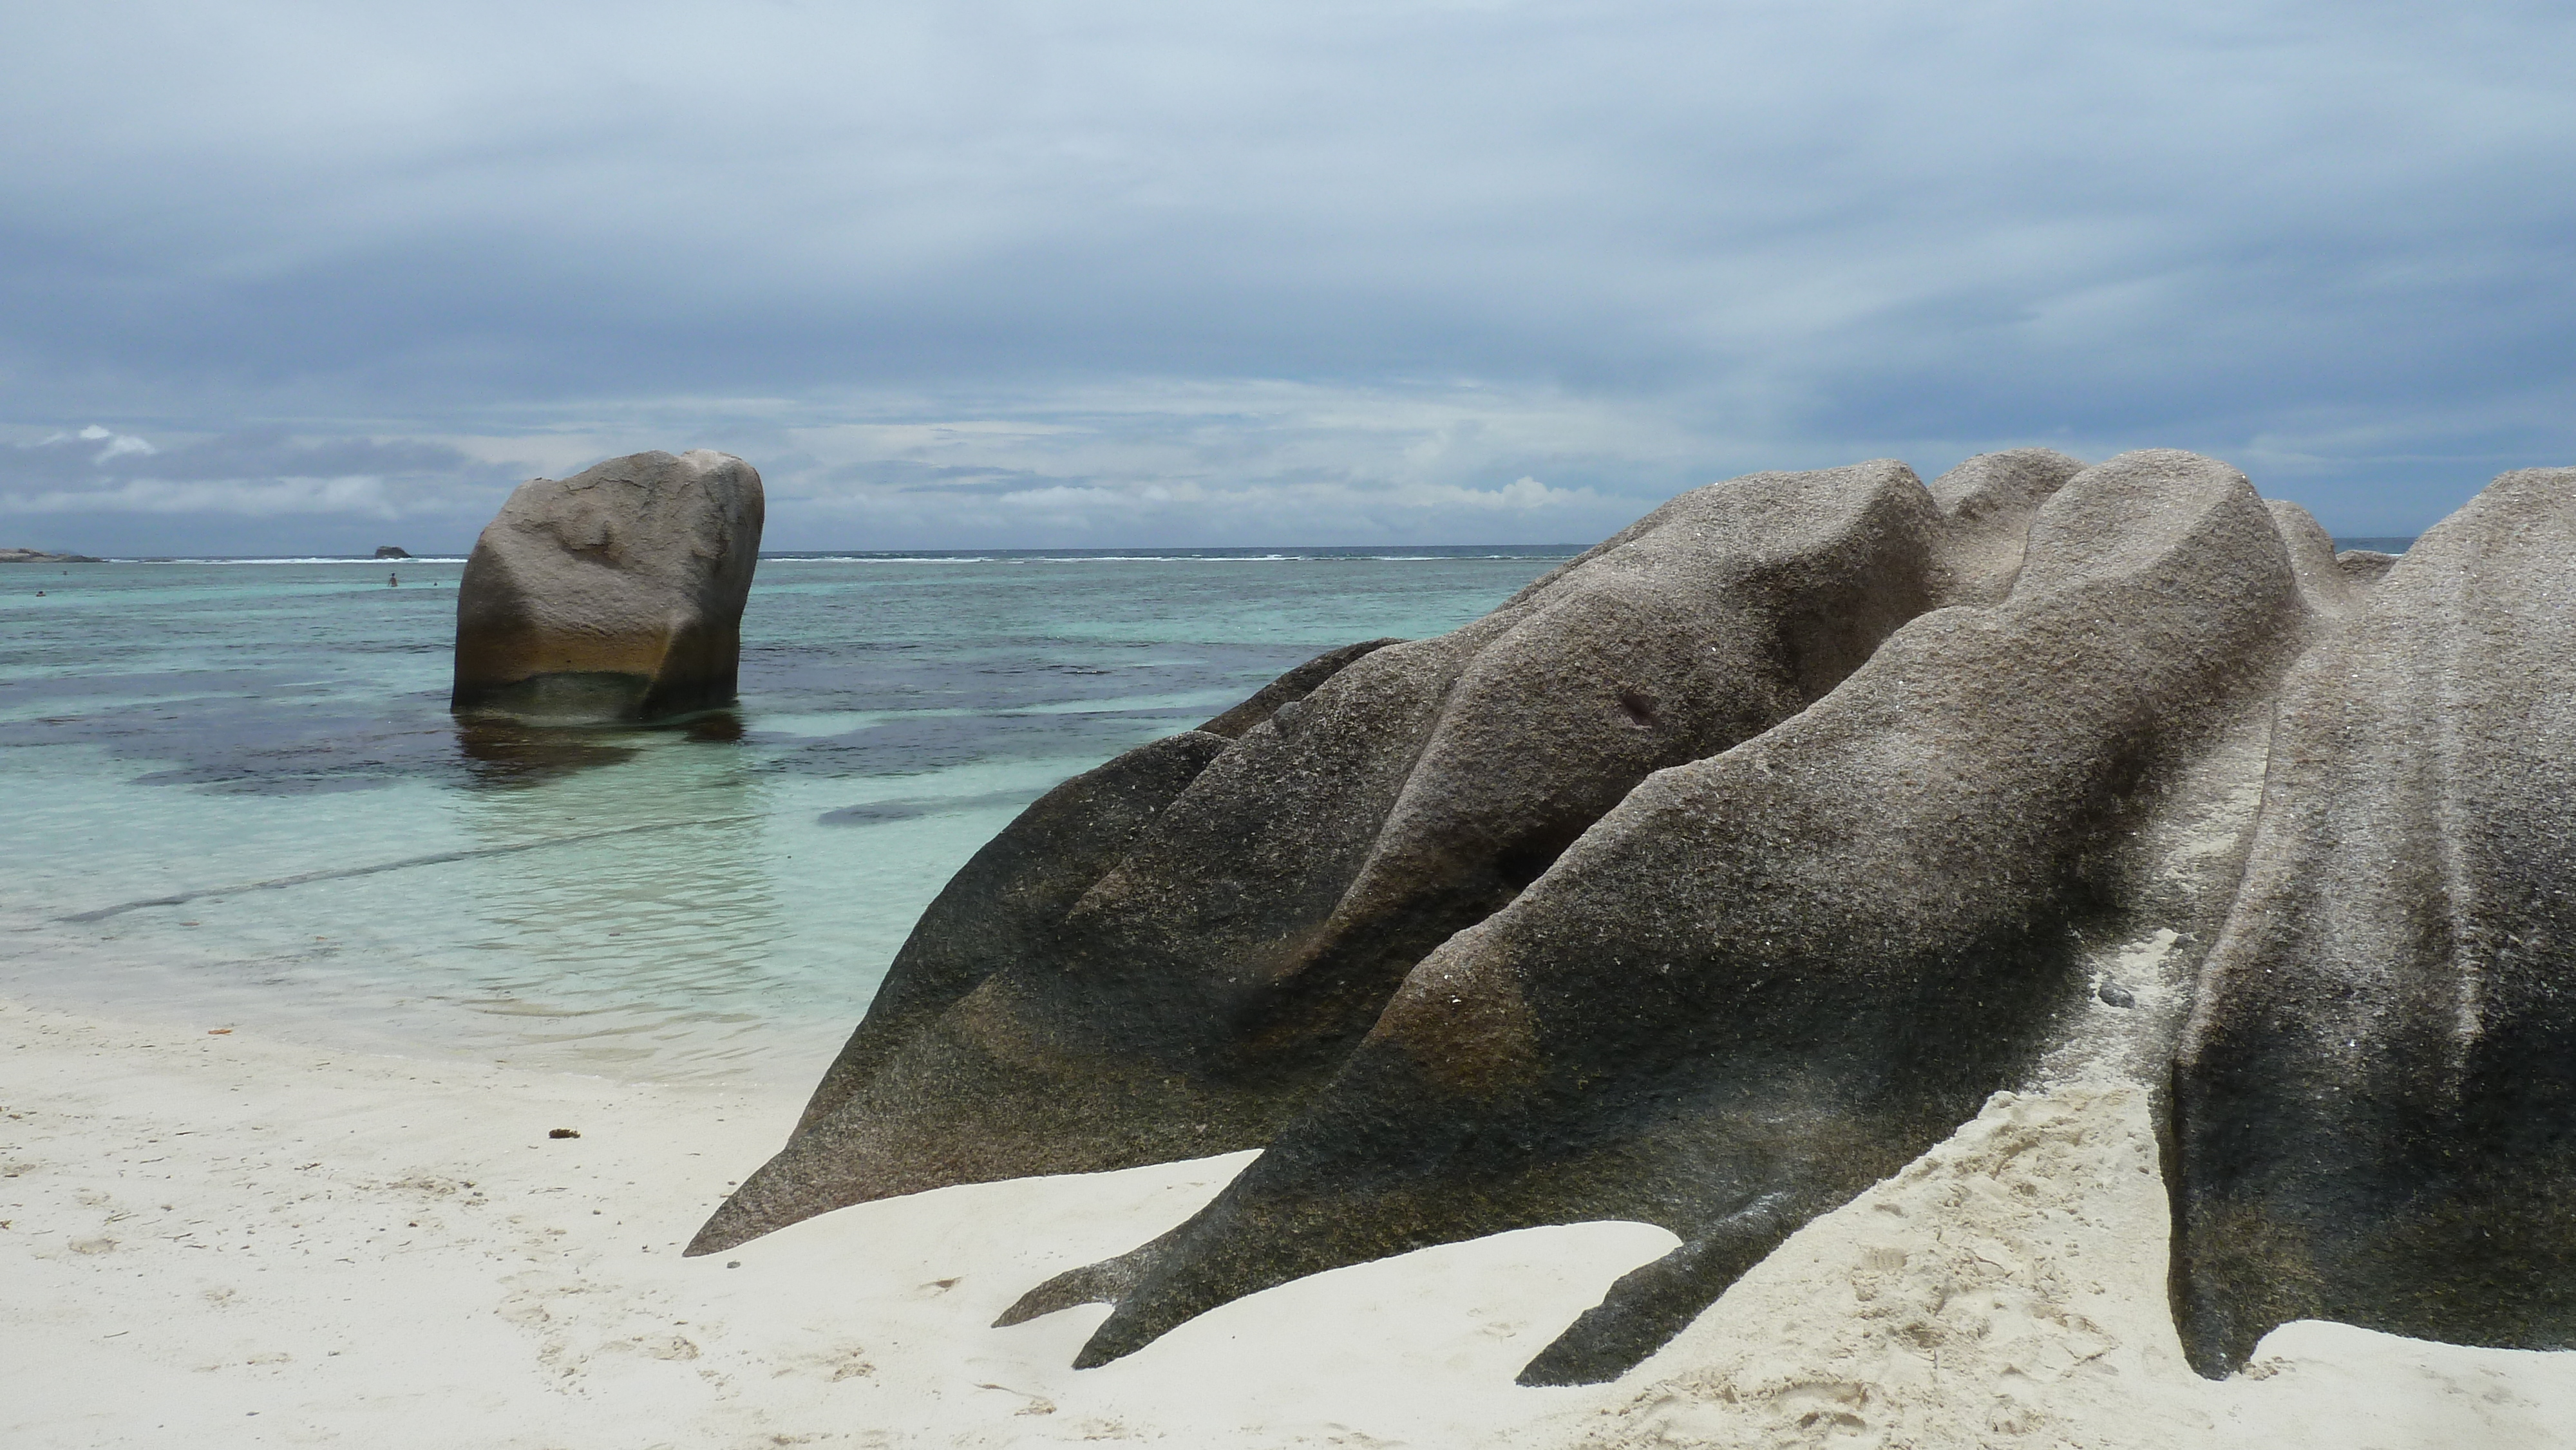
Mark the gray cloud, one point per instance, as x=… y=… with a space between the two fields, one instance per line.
x=227 y=493
x=1299 y=269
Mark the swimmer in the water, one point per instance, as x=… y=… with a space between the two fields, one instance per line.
x=392 y=581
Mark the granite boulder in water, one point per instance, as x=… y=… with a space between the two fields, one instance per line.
x=615 y=595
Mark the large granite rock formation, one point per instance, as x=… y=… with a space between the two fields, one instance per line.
x=1773 y=976
x=1203 y=970
x=1728 y=868
x=614 y=595
x=2375 y=1105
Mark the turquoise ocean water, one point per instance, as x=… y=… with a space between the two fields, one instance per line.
x=231 y=794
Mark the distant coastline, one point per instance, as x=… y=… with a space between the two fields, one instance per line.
x=1132 y=554
x=1139 y=554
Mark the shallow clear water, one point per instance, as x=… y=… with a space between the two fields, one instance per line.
x=233 y=793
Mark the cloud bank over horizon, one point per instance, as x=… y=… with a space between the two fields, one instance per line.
x=287 y=277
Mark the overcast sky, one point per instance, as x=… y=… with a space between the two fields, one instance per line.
x=278 y=278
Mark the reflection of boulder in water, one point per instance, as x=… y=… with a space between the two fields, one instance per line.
x=501 y=751
x=714 y=727
x=1727 y=869
x=615 y=595
x=505 y=753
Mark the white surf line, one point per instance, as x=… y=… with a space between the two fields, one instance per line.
x=342 y=873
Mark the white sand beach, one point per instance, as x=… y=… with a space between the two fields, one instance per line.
x=220 y=1239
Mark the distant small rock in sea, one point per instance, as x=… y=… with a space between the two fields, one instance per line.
x=614 y=595
x=391 y=551
x=39 y=556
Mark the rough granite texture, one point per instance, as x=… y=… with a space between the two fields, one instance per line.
x=1225 y=958
x=1772 y=977
x=1729 y=868
x=2374 y=1108
x=614 y=595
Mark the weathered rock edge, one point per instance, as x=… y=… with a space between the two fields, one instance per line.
x=612 y=596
